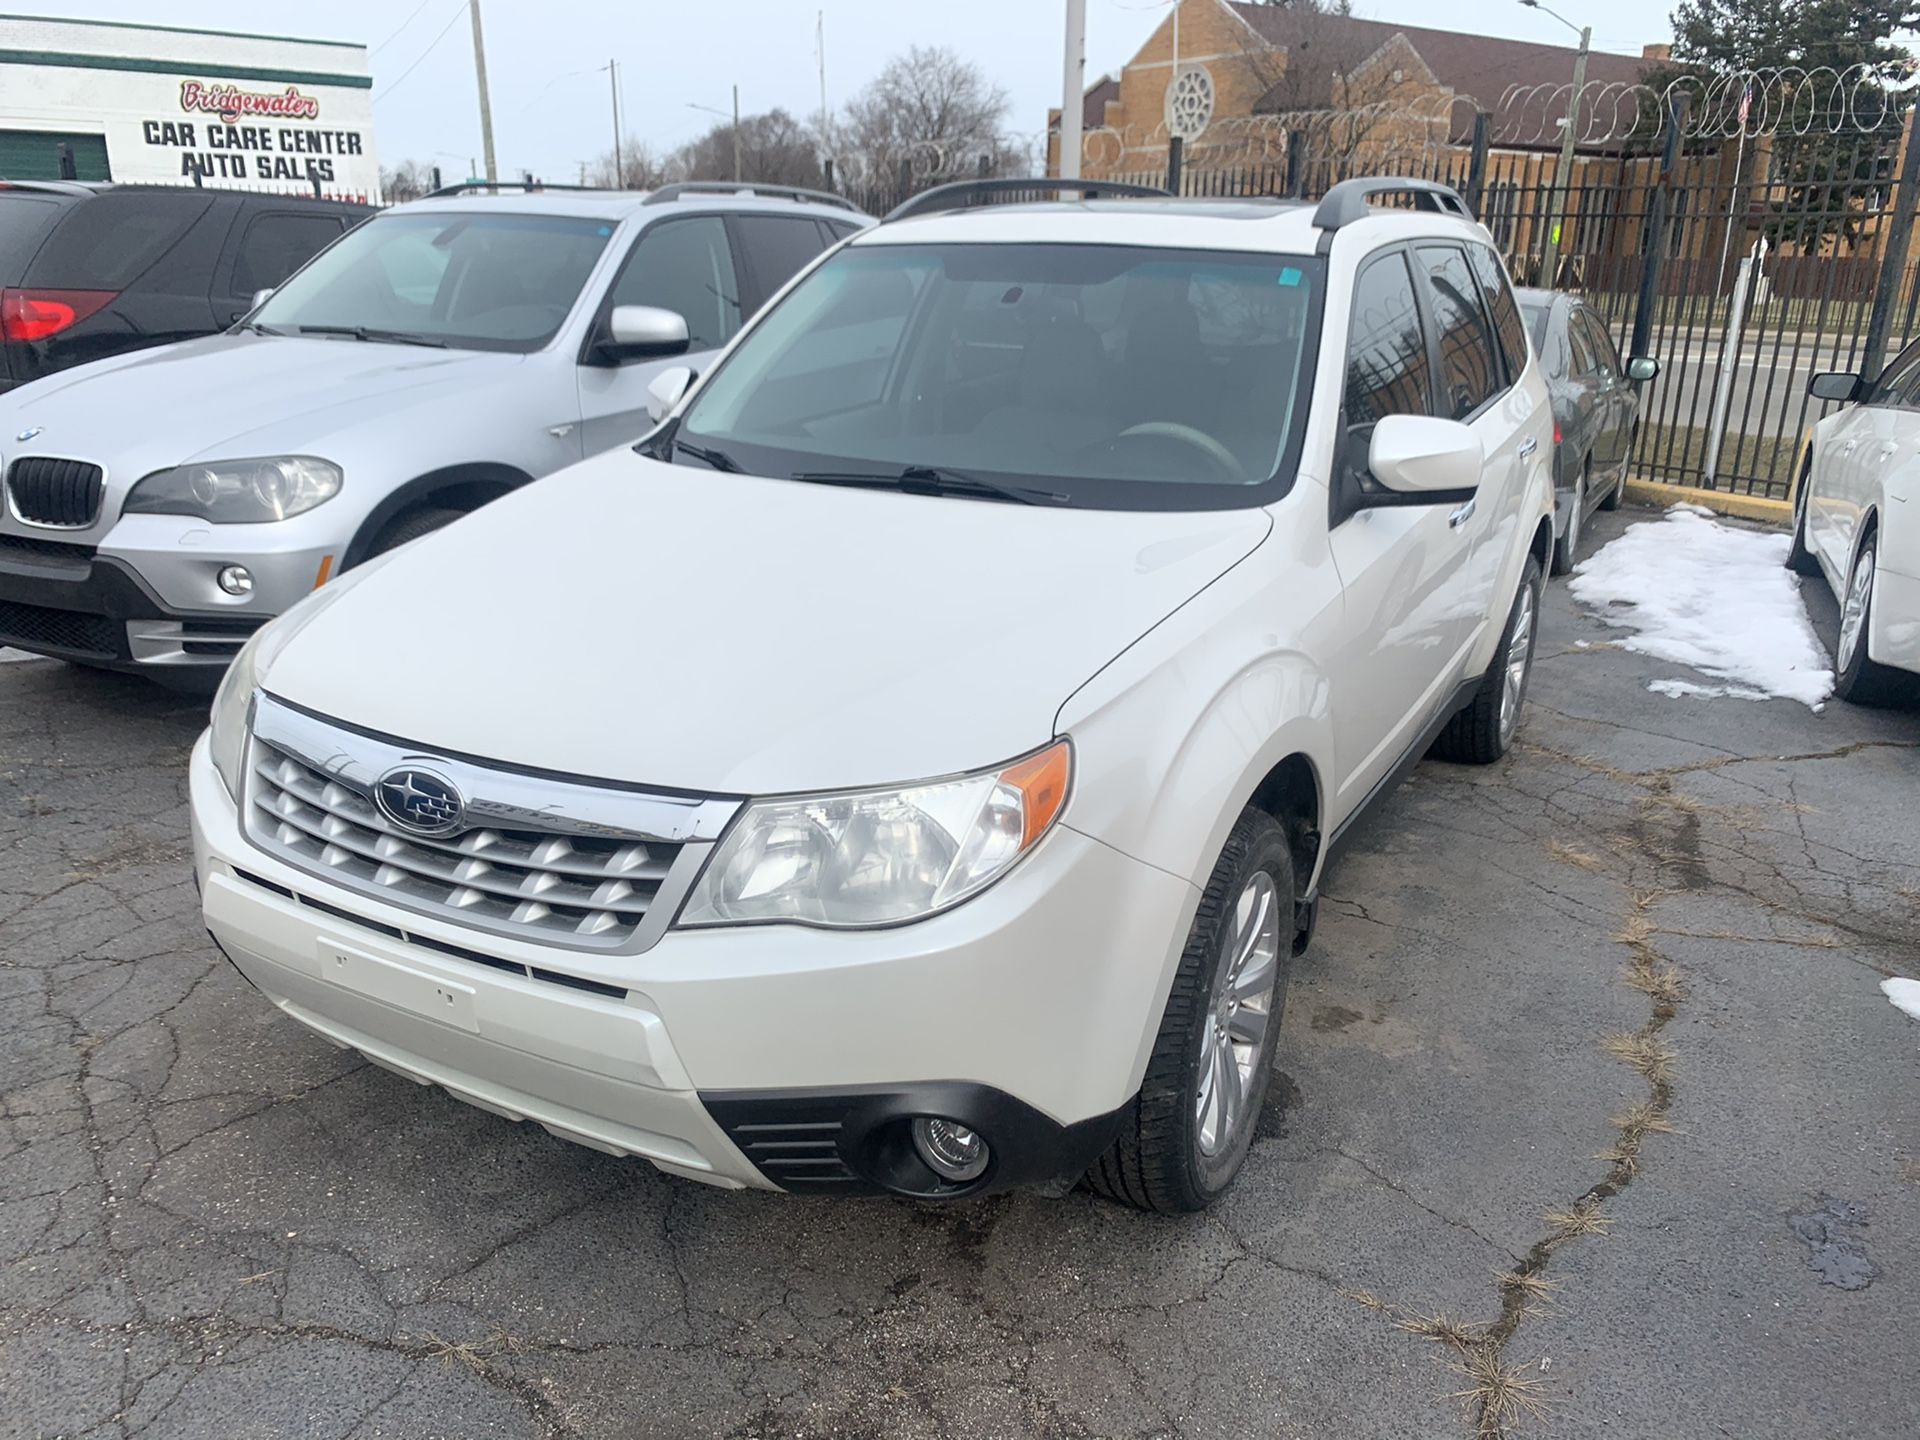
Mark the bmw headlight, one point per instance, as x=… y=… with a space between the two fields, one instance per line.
x=878 y=857
x=238 y=492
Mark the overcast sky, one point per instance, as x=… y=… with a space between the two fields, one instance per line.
x=551 y=106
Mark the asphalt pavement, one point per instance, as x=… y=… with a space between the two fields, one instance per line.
x=1587 y=1103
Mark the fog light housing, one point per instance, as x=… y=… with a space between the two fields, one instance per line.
x=235 y=580
x=952 y=1151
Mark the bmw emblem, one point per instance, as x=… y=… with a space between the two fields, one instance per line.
x=27 y=434
x=419 y=801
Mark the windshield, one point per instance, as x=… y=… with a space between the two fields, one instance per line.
x=1101 y=375
x=470 y=281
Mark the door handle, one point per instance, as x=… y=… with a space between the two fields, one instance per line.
x=1847 y=449
x=1461 y=516
x=1887 y=448
x=1527 y=447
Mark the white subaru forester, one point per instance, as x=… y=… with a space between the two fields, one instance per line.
x=913 y=768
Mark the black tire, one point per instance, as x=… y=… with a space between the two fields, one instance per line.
x=411 y=525
x=1476 y=735
x=1856 y=679
x=1157 y=1161
x=1800 y=559
x=1566 y=547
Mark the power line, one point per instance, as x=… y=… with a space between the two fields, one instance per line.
x=457 y=15
x=403 y=25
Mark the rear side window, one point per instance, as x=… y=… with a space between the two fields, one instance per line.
x=277 y=245
x=24 y=223
x=686 y=266
x=110 y=241
x=1387 y=367
x=1507 y=322
x=1605 y=357
x=1584 y=361
x=777 y=246
x=1470 y=373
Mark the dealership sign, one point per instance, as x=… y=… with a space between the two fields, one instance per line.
x=230 y=102
x=221 y=148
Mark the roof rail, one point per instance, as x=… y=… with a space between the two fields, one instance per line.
x=531 y=187
x=1347 y=201
x=962 y=193
x=745 y=187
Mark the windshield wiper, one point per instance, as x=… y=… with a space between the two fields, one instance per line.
x=382 y=337
x=707 y=455
x=257 y=328
x=932 y=480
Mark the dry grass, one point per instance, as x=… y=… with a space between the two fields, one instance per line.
x=1369 y=1299
x=1534 y=1288
x=1641 y=1119
x=1579 y=1220
x=1440 y=1327
x=470 y=1353
x=1661 y=983
x=1498 y=1395
x=1569 y=855
x=1642 y=1053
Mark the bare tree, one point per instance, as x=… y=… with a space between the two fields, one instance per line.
x=775 y=149
x=408 y=180
x=929 y=109
x=640 y=168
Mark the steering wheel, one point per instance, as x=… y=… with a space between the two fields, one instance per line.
x=1198 y=439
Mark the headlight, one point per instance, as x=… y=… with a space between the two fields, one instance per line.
x=878 y=857
x=227 y=731
x=238 y=492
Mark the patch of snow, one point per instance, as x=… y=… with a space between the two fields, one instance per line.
x=7 y=655
x=1903 y=993
x=1712 y=597
x=1678 y=689
x=1687 y=507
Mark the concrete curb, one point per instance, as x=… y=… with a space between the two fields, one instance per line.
x=1743 y=507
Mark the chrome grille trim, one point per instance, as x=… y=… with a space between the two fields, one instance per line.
x=552 y=861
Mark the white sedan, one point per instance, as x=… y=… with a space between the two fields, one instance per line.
x=1856 y=520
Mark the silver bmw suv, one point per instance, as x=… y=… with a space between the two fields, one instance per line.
x=161 y=506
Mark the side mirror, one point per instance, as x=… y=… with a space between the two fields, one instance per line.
x=1642 y=368
x=666 y=390
x=1419 y=455
x=636 y=332
x=260 y=297
x=1835 y=385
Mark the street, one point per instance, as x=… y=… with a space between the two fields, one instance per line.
x=1587 y=1073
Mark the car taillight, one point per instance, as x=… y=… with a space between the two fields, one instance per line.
x=1556 y=432
x=37 y=314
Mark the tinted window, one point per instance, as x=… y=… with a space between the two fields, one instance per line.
x=685 y=266
x=1498 y=295
x=108 y=242
x=1117 y=376
x=24 y=222
x=277 y=245
x=778 y=245
x=475 y=280
x=1470 y=372
x=1901 y=378
x=1388 y=372
x=1600 y=343
x=1585 y=362
x=1536 y=317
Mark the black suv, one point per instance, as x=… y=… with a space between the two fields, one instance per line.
x=88 y=271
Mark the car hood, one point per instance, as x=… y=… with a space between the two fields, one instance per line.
x=228 y=396
x=675 y=627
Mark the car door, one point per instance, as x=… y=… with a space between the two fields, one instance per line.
x=1613 y=417
x=683 y=263
x=1476 y=390
x=1403 y=567
x=1583 y=432
x=1850 y=450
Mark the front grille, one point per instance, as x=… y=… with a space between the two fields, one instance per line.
x=28 y=547
x=56 y=492
x=35 y=627
x=582 y=889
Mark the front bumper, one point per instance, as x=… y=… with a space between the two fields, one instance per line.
x=146 y=597
x=775 y=1057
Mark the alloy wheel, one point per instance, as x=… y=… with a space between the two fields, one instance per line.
x=1853 y=616
x=1239 y=1012
x=1519 y=656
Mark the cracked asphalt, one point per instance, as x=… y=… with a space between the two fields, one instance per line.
x=1589 y=1118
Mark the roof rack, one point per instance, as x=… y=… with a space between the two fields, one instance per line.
x=962 y=193
x=745 y=187
x=1347 y=201
x=531 y=187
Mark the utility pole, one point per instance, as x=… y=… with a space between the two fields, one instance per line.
x=480 y=75
x=1073 y=87
x=820 y=49
x=613 y=84
x=1564 y=174
x=736 y=132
